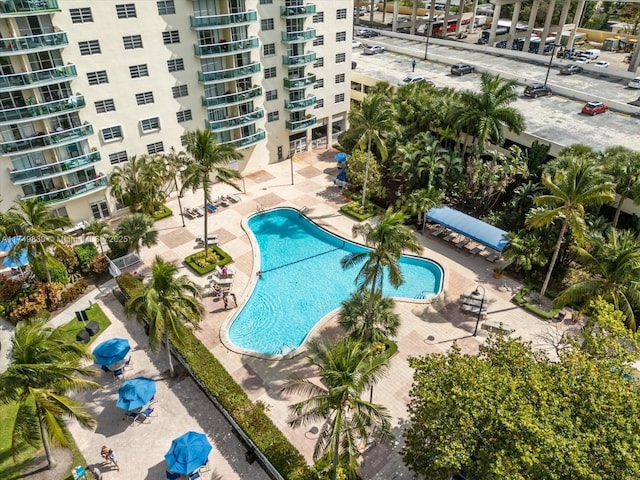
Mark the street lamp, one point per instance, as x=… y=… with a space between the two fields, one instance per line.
x=291 y=160
x=553 y=54
x=428 y=30
x=476 y=293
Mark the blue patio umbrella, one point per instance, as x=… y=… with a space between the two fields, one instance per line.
x=341 y=157
x=7 y=244
x=136 y=393
x=188 y=453
x=111 y=351
x=15 y=262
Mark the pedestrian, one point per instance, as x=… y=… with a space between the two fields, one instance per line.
x=110 y=456
x=413 y=66
x=225 y=300
x=233 y=295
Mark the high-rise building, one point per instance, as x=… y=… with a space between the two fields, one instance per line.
x=87 y=84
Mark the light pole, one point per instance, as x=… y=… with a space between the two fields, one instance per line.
x=476 y=293
x=428 y=32
x=553 y=54
x=291 y=160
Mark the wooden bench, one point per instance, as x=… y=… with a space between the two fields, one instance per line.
x=498 y=327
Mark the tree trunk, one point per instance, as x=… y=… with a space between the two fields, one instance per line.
x=167 y=344
x=45 y=440
x=336 y=447
x=616 y=216
x=554 y=257
x=366 y=172
x=206 y=221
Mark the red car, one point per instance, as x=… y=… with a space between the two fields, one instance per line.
x=593 y=108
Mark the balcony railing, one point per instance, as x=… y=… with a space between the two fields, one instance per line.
x=27 y=7
x=238 y=121
x=225 y=20
x=51 y=139
x=224 y=75
x=296 y=83
x=38 y=77
x=300 y=104
x=299 y=59
x=20 y=45
x=297 y=11
x=54 y=169
x=225 y=48
x=248 y=140
x=232 y=98
x=294 y=126
x=40 y=109
x=73 y=191
x=299 y=37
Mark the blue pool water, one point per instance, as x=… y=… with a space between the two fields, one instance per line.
x=302 y=281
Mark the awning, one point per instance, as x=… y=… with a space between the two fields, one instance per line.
x=469 y=226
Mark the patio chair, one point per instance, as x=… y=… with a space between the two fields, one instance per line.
x=462 y=242
x=438 y=231
x=450 y=237
x=146 y=414
x=493 y=257
x=205 y=467
x=172 y=476
x=194 y=475
x=131 y=417
x=222 y=282
x=118 y=374
x=128 y=363
x=476 y=250
x=234 y=198
x=211 y=207
x=199 y=211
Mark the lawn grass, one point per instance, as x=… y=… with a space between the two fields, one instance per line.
x=72 y=328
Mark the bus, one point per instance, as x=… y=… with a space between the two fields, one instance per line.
x=534 y=45
x=487 y=33
x=518 y=43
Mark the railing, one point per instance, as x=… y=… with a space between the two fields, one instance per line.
x=73 y=191
x=250 y=139
x=38 y=109
x=300 y=104
x=299 y=59
x=301 y=36
x=57 y=74
x=53 y=169
x=222 y=75
x=292 y=83
x=45 y=140
x=232 y=98
x=32 y=42
x=236 y=121
x=301 y=124
x=225 y=20
x=28 y=6
x=297 y=10
x=226 y=47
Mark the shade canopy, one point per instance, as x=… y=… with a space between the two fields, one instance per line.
x=341 y=157
x=469 y=226
x=7 y=244
x=136 y=393
x=14 y=262
x=188 y=453
x=111 y=351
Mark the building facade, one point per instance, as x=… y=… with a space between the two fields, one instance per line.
x=86 y=85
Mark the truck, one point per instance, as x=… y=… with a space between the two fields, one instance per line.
x=479 y=21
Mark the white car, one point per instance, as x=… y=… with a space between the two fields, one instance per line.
x=412 y=79
x=601 y=64
x=373 y=49
x=356 y=44
x=634 y=83
x=582 y=60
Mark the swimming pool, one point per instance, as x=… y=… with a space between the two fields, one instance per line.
x=302 y=281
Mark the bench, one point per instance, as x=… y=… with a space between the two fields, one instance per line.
x=498 y=327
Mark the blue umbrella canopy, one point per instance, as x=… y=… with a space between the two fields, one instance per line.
x=111 y=351
x=7 y=244
x=136 y=393
x=341 y=157
x=188 y=453
x=14 y=262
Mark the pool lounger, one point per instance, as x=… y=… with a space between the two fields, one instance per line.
x=450 y=237
x=211 y=207
x=462 y=242
x=211 y=238
x=199 y=211
x=223 y=282
x=438 y=231
x=476 y=250
x=493 y=257
x=233 y=198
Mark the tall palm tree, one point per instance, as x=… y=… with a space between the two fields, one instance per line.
x=346 y=369
x=138 y=184
x=166 y=303
x=44 y=368
x=525 y=249
x=138 y=231
x=623 y=165
x=99 y=230
x=421 y=201
x=370 y=326
x=373 y=117
x=571 y=192
x=207 y=158
x=173 y=163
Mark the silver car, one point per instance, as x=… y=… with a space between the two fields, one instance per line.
x=373 y=49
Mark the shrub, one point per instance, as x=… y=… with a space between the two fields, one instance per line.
x=68 y=259
x=85 y=252
x=354 y=209
x=203 y=263
x=162 y=212
x=99 y=265
x=9 y=289
x=28 y=306
x=57 y=270
x=118 y=245
x=52 y=294
x=73 y=291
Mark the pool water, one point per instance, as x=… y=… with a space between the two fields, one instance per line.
x=302 y=281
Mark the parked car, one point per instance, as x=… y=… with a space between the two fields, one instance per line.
x=416 y=79
x=571 y=69
x=373 y=49
x=356 y=44
x=367 y=33
x=601 y=64
x=594 y=108
x=582 y=60
x=462 y=69
x=592 y=54
x=536 y=90
x=634 y=83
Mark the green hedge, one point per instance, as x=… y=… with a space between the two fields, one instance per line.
x=195 y=260
x=57 y=271
x=221 y=385
x=85 y=252
x=520 y=300
x=162 y=212
x=354 y=209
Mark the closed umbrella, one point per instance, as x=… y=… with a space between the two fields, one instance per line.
x=136 y=393
x=188 y=453
x=111 y=351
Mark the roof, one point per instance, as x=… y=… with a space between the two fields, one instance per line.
x=469 y=226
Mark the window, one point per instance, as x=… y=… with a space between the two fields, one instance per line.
x=148 y=124
x=341 y=13
x=340 y=78
x=81 y=15
x=144 y=98
x=184 y=139
x=89 y=48
x=269 y=49
x=340 y=98
x=319 y=62
x=155 y=148
x=341 y=37
x=118 y=157
x=166 y=7
x=171 y=37
x=104 y=106
x=319 y=83
x=96 y=78
x=184 y=116
x=266 y=2
x=318 y=17
x=319 y=40
x=132 y=41
x=128 y=10
x=271 y=95
x=266 y=24
x=341 y=57
x=111 y=133
x=319 y=103
x=175 y=65
x=60 y=212
x=270 y=72
x=273 y=116
x=180 y=91
x=138 y=71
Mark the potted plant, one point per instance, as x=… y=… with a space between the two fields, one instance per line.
x=497 y=272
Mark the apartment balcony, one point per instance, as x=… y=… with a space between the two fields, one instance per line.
x=45 y=141
x=37 y=78
x=51 y=170
x=27 y=7
x=297 y=11
x=232 y=98
x=248 y=140
x=299 y=37
x=225 y=48
x=73 y=192
x=298 y=83
x=42 y=110
x=234 y=122
x=296 y=126
x=295 y=105
x=32 y=43
x=230 y=74
x=223 y=21
x=299 y=59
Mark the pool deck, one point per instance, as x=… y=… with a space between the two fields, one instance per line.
x=425 y=328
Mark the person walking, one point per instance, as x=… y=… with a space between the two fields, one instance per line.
x=233 y=295
x=413 y=66
x=110 y=456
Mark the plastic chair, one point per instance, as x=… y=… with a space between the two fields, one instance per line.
x=205 y=467
x=118 y=374
x=146 y=414
x=132 y=417
x=128 y=363
x=172 y=476
x=194 y=475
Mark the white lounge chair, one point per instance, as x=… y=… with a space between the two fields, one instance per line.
x=198 y=211
x=234 y=198
x=222 y=282
x=212 y=238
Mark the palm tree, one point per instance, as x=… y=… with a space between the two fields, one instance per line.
x=44 y=367
x=571 y=192
x=174 y=162
x=166 y=302
x=421 y=201
x=138 y=231
x=624 y=167
x=346 y=369
x=370 y=326
x=207 y=158
x=100 y=230
x=525 y=249
x=368 y=122
x=138 y=184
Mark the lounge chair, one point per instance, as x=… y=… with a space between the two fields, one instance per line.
x=223 y=200
x=189 y=213
x=211 y=207
x=211 y=238
x=234 y=198
x=476 y=250
x=438 y=231
x=198 y=211
x=450 y=237
x=230 y=272
x=493 y=257
x=222 y=282
x=462 y=242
